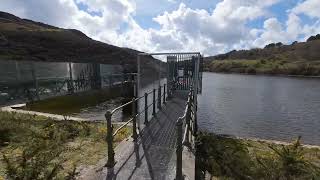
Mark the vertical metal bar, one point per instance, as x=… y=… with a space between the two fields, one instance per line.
x=184 y=73
x=145 y=108
x=188 y=117
x=154 y=103
x=110 y=80
x=35 y=80
x=179 y=124
x=110 y=161
x=138 y=81
x=18 y=71
x=196 y=95
x=159 y=97
x=188 y=69
x=178 y=75
x=71 y=78
x=198 y=174
x=134 y=120
x=164 y=93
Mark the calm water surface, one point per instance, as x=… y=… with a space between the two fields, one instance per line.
x=267 y=107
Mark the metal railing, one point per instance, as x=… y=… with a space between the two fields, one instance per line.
x=188 y=119
x=41 y=88
x=161 y=99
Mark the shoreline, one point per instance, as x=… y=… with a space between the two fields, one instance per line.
x=277 y=142
x=56 y=117
x=264 y=74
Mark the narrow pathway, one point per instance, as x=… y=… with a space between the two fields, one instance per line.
x=153 y=155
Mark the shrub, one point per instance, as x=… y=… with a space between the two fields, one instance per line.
x=38 y=159
x=223 y=156
x=289 y=163
x=229 y=158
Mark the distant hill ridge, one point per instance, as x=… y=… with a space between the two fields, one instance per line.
x=297 y=51
x=23 y=39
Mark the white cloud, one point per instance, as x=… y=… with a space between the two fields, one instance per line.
x=184 y=29
x=308 y=7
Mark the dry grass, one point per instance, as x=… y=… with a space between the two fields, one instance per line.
x=78 y=144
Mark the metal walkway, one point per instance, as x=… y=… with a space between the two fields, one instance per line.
x=153 y=154
x=157 y=149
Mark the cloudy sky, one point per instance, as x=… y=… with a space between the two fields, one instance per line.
x=208 y=26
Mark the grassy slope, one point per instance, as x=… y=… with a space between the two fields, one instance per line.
x=298 y=59
x=266 y=67
x=74 y=143
x=22 y=39
x=228 y=158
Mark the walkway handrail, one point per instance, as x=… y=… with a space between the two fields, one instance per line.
x=135 y=114
x=187 y=140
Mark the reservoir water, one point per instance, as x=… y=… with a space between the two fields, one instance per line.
x=266 y=107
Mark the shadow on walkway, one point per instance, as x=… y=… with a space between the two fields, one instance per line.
x=153 y=155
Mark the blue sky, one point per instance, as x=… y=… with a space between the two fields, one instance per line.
x=208 y=26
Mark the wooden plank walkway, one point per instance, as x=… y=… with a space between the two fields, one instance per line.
x=153 y=155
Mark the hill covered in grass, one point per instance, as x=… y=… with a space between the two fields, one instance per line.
x=299 y=58
x=27 y=40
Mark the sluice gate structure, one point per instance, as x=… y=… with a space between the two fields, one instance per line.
x=164 y=123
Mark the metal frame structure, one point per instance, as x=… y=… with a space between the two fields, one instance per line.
x=189 y=64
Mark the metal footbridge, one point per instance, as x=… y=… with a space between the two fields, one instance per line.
x=164 y=125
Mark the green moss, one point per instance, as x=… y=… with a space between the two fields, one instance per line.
x=73 y=144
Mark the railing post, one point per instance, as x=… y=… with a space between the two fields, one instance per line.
x=154 y=103
x=188 y=117
x=134 y=120
x=199 y=174
x=179 y=124
x=164 y=93
x=145 y=108
x=159 y=97
x=110 y=161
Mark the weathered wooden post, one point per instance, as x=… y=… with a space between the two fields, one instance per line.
x=134 y=120
x=145 y=108
x=159 y=97
x=179 y=124
x=164 y=93
x=110 y=161
x=154 y=103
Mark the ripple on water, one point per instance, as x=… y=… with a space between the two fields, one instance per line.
x=265 y=107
